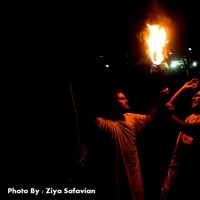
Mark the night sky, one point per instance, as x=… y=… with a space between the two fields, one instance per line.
x=67 y=37
x=112 y=29
x=53 y=58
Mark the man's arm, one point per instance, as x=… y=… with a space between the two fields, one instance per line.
x=187 y=128
x=192 y=84
x=155 y=108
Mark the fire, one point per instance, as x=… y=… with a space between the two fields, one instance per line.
x=156 y=43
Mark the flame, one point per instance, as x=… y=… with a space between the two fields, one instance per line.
x=156 y=42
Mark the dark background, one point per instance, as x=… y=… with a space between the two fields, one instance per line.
x=54 y=77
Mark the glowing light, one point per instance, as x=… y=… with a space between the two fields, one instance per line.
x=156 y=42
x=194 y=64
x=174 y=64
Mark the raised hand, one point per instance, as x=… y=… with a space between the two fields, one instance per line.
x=165 y=91
x=192 y=84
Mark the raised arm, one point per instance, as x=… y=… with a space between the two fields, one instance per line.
x=159 y=101
x=189 y=128
x=192 y=84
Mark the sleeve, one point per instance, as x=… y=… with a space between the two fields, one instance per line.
x=103 y=124
x=140 y=121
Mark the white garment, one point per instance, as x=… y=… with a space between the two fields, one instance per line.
x=123 y=135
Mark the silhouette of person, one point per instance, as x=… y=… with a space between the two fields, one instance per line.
x=113 y=163
x=184 y=166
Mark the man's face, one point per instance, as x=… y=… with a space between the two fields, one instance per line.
x=122 y=101
x=196 y=100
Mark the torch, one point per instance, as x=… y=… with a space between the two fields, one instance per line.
x=156 y=41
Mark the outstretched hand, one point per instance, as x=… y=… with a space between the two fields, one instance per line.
x=163 y=96
x=165 y=91
x=192 y=84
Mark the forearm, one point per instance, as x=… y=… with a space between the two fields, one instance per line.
x=161 y=100
x=187 y=128
x=175 y=96
x=192 y=84
x=152 y=114
x=179 y=122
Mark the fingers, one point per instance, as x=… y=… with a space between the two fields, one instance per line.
x=194 y=82
x=170 y=106
x=166 y=90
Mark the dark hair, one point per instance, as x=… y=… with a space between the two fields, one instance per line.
x=114 y=93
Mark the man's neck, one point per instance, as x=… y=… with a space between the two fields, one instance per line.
x=118 y=116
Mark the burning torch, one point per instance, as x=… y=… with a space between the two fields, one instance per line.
x=156 y=41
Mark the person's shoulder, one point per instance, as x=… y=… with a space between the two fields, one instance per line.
x=97 y=120
x=138 y=116
x=131 y=114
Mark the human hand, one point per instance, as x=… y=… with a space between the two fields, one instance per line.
x=83 y=156
x=163 y=96
x=170 y=106
x=165 y=91
x=192 y=84
x=81 y=161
